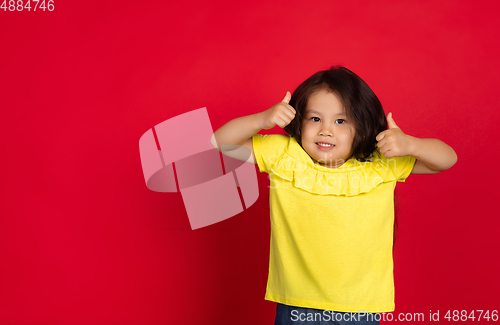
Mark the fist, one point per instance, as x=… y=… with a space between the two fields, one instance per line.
x=393 y=142
x=280 y=114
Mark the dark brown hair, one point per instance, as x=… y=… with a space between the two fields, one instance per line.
x=363 y=107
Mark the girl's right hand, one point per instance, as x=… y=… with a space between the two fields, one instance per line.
x=280 y=114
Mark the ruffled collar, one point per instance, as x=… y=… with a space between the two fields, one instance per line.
x=352 y=178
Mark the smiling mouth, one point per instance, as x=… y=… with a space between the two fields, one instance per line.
x=325 y=145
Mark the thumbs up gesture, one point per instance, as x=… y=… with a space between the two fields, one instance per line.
x=393 y=142
x=280 y=114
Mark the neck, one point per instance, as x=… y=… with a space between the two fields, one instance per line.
x=337 y=164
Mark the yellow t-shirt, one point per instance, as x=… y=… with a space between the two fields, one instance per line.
x=331 y=228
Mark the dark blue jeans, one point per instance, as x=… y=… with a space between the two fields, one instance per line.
x=290 y=315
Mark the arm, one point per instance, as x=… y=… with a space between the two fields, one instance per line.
x=237 y=131
x=236 y=134
x=234 y=139
x=433 y=155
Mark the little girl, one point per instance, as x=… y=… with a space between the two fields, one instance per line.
x=331 y=196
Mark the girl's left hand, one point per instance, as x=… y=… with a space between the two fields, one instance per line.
x=393 y=142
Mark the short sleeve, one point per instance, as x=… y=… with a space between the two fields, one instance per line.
x=402 y=166
x=268 y=148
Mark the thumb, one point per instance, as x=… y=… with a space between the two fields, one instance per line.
x=390 y=122
x=287 y=97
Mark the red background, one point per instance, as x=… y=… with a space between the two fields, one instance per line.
x=83 y=240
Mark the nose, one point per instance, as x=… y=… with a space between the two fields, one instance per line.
x=326 y=132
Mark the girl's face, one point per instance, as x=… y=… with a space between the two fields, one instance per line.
x=325 y=122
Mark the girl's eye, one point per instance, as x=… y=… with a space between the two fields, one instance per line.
x=342 y=121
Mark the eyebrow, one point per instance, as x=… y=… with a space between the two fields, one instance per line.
x=314 y=112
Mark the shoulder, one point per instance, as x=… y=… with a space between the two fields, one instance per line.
x=270 y=142
x=268 y=148
x=399 y=167
x=275 y=139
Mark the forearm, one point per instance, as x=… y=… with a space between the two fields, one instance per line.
x=238 y=130
x=434 y=153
